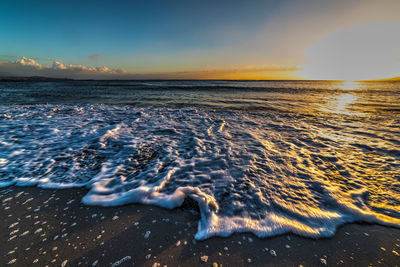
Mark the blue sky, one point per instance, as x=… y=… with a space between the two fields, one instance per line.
x=72 y=30
x=166 y=37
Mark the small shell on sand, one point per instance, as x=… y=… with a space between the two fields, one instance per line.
x=204 y=258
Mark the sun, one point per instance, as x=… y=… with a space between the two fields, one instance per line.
x=362 y=52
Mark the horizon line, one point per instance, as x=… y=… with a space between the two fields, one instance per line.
x=47 y=78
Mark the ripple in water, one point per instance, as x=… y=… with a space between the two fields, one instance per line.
x=261 y=172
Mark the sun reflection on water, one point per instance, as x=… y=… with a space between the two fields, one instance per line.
x=341 y=104
x=349 y=85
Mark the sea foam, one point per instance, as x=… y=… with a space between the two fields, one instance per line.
x=262 y=172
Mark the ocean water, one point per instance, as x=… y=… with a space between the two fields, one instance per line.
x=262 y=157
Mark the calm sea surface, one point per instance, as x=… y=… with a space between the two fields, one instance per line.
x=266 y=157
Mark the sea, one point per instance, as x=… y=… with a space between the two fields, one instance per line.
x=266 y=157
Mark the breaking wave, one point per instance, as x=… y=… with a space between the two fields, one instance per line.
x=262 y=172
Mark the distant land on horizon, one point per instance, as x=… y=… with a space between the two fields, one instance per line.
x=7 y=78
x=394 y=79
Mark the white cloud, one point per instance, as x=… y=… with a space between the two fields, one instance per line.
x=57 y=65
x=24 y=61
x=29 y=67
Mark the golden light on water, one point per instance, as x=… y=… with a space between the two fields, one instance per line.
x=341 y=104
x=362 y=52
x=349 y=85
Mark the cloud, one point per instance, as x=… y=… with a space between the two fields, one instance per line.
x=94 y=56
x=28 y=62
x=30 y=67
x=257 y=72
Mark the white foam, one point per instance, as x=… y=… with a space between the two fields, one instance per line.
x=265 y=173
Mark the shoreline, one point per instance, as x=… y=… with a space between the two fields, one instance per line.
x=52 y=227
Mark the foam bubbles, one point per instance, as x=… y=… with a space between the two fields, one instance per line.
x=262 y=172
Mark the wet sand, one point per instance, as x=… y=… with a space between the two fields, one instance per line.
x=42 y=227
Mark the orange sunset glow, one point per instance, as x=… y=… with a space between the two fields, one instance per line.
x=285 y=40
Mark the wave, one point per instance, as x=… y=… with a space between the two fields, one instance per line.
x=262 y=172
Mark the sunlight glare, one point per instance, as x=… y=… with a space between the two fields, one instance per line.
x=363 y=52
x=341 y=104
x=349 y=85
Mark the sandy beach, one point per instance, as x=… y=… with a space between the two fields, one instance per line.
x=43 y=227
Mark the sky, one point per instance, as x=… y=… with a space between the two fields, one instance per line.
x=277 y=39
